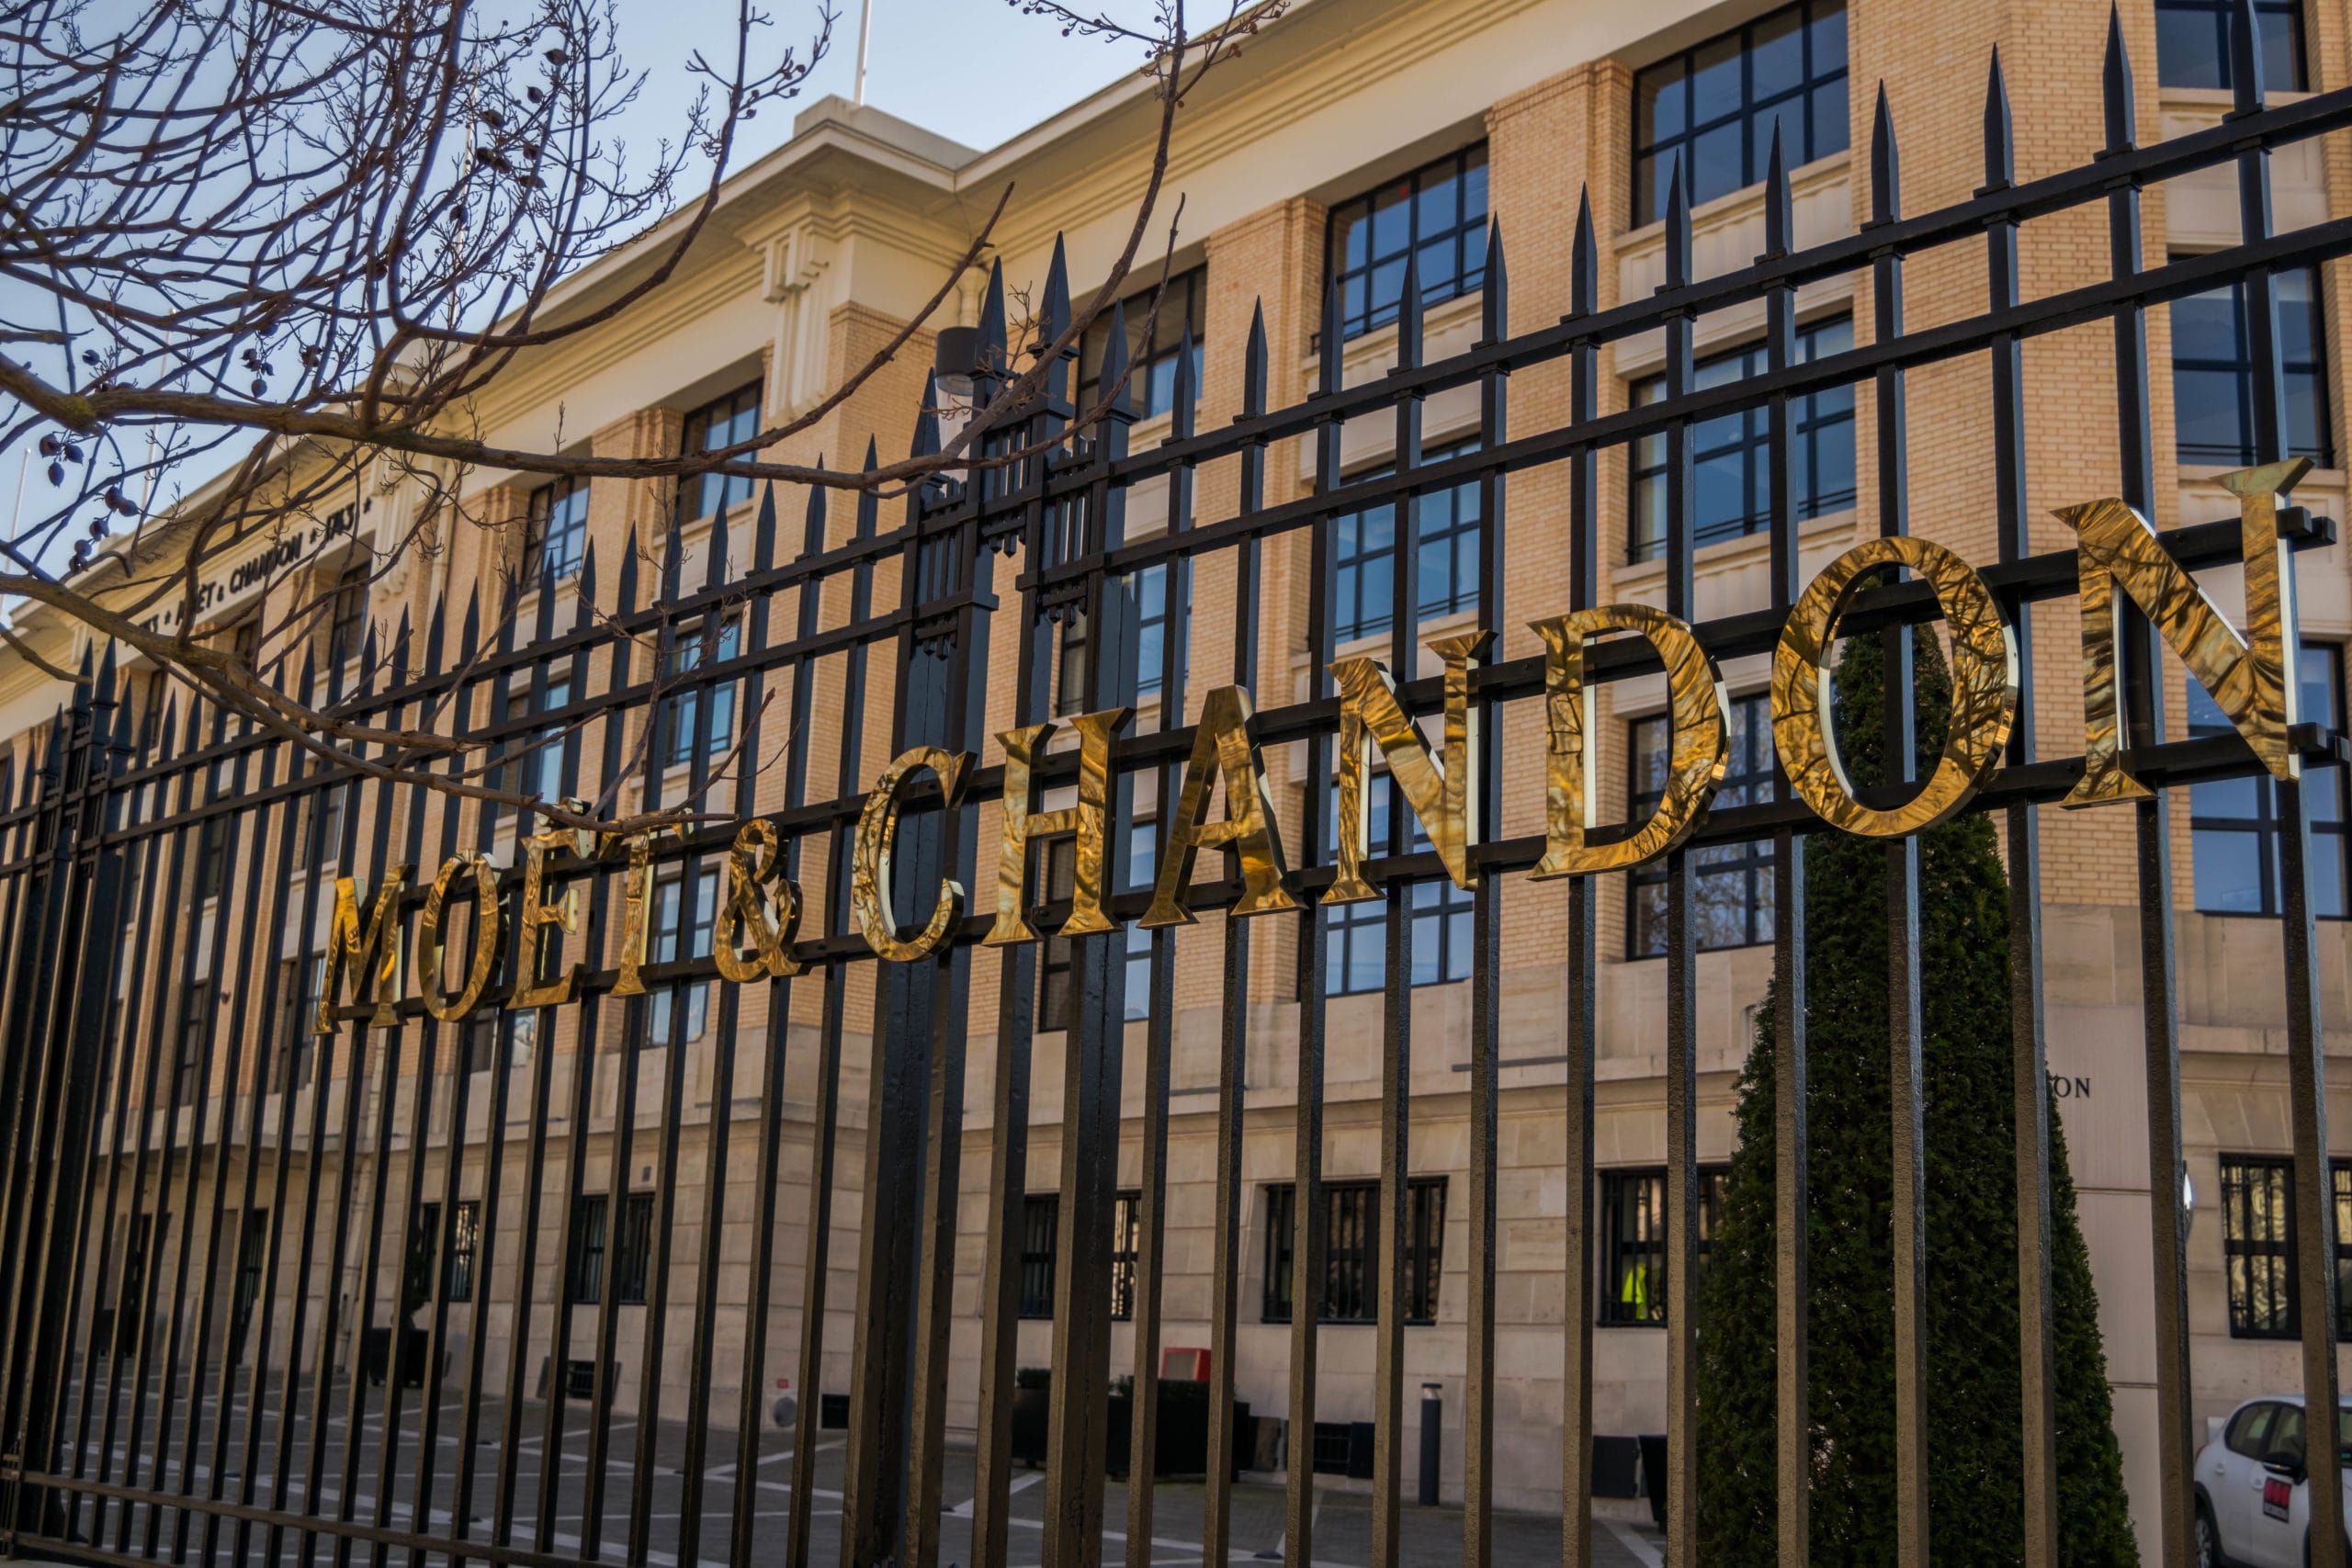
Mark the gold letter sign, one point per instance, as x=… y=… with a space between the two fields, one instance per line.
x=446 y=1008
x=1983 y=689
x=1222 y=745
x=1441 y=799
x=753 y=862
x=2249 y=678
x=1695 y=709
x=1022 y=749
x=877 y=828
x=380 y=983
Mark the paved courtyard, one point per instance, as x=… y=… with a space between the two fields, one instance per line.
x=1342 y=1529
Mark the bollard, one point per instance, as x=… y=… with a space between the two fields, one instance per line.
x=1433 y=1420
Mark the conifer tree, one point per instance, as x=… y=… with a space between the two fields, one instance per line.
x=1972 y=1382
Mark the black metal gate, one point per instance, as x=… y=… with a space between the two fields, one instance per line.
x=215 y=1429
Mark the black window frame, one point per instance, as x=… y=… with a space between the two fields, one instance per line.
x=2276 y=1314
x=2183 y=61
x=1447 y=525
x=673 y=932
x=2225 y=812
x=1151 y=357
x=1749 y=779
x=585 y=1280
x=682 y=709
x=1739 y=440
x=348 y=616
x=2302 y=367
x=632 y=1254
x=1614 y=1305
x=1351 y=1251
x=1823 y=125
x=1356 y=949
x=1355 y=280
x=725 y=421
x=555 y=543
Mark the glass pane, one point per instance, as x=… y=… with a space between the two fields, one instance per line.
x=1659 y=98
x=2190 y=50
x=1714 y=80
x=2206 y=327
x=2283 y=55
x=1718 y=165
x=1789 y=115
x=1827 y=41
x=1776 y=55
x=2229 y=880
x=1438 y=281
x=2210 y=415
x=1831 y=132
x=1357 y=229
x=1391 y=216
x=1439 y=204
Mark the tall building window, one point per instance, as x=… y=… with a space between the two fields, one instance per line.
x=348 y=616
x=1633 y=1241
x=1713 y=108
x=716 y=424
x=682 y=710
x=1356 y=955
x=1041 y=1215
x=1143 y=850
x=555 y=533
x=536 y=768
x=1040 y=1223
x=299 y=980
x=1056 y=985
x=633 y=1250
x=211 y=852
x=1437 y=215
x=2212 y=373
x=194 y=1024
x=465 y=1237
x=1153 y=346
x=2193 y=44
x=1155 y=624
x=318 y=843
x=586 y=1285
x=1364 y=599
x=1734 y=881
x=1732 y=457
x=680 y=930
x=1352 y=1251
x=1069 y=663
x=2234 y=823
x=2258 y=1244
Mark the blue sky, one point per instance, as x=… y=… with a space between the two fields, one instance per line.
x=976 y=71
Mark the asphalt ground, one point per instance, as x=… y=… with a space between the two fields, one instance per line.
x=1342 y=1524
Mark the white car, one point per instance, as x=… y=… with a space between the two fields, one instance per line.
x=2253 y=1495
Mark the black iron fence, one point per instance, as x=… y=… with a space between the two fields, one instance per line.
x=144 y=864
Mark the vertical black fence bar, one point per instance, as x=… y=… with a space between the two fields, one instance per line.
x=882 y=1397
x=462 y=693
x=1146 y=1284
x=1016 y=1017
x=1681 y=1260
x=149 y=803
x=825 y=1115
x=66 y=1089
x=1095 y=1051
x=808 y=600
x=248 y=896
x=216 y=856
x=186 y=906
x=1485 y=953
x=954 y=564
x=612 y=741
x=1397 y=990
x=453 y=1156
x=1792 y=1072
x=320 y=1049
x=389 y=1044
x=1579 y=1040
x=2141 y=676
x=627 y=1066
x=745 y=764
x=379 y=795
x=304 y=1060
x=703 y=690
x=2314 y=1194
x=1909 y=1118
x=1308 y=1239
x=2037 y=1352
x=1233 y=1021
